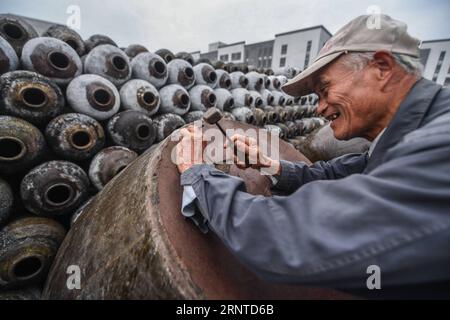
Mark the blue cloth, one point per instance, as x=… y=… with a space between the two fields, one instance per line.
x=190 y=209
x=391 y=209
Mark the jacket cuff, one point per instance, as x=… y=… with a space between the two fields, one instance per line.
x=194 y=173
x=287 y=176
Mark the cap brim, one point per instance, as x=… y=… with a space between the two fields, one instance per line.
x=302 y=84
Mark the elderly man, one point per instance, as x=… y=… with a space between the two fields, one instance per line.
x=387 y=210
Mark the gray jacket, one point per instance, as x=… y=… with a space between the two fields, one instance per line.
x=391 y=209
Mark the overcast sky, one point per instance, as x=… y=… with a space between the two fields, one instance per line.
x=182 y=25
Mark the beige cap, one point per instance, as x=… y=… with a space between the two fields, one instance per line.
x=363 y=34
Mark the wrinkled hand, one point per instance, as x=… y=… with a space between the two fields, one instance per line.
x=189 y=151
x=248 y=154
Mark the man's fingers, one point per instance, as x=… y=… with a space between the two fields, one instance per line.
x=242 y=147
x=237 y=137
x=246 y=139
x=184 y=132
x=196 y=135
x=251 y=141
x=239 y=163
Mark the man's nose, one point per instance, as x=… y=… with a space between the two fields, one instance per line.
x=322 y=106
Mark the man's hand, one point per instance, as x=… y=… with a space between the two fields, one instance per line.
x=189 y=151
x=247 y=147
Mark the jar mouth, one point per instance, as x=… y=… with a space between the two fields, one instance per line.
x=81 y=139
x=33 y=97
x=212 y=76
x=102 y=97
x=13 y=31
x=59 y=194
x=119 y=63
x=249 y=100
x=181 y=99
x=212 y=98
x=209 y=74
x=27 y=267
x=184 y=99
x=11 y=149
x=276 y=83
x=264 y=119
x=148 y=98
x=159 y=68
x=72 y=43
x=229 y=103
x=275 y=117
x=189 y=72
x=59 y=60
x=143 y=131
x=168 y=58
x=244 y=81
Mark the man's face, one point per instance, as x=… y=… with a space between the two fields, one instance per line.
x=351 y=100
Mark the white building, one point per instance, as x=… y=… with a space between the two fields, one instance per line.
x=231 y=52
x=435 y=56
x=298 y=48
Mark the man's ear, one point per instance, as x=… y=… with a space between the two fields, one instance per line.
x=385 y=64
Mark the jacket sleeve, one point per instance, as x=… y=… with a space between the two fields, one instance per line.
x=329 y=232
x=295 y=174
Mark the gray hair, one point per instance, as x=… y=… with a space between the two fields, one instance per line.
x=358 y=60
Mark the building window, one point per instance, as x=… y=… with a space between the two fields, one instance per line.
x=308 y=52
x=224 y=57
x=269 y=63
x=306 y=61
x=284 y=49
x=235 y=56
x=424 y=53
x=447 y=82
x=438 y=66
x=282 y=62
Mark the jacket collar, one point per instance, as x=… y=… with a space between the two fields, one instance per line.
x=409 y=117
